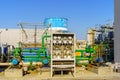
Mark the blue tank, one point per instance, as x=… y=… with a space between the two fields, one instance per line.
x=56 y=23
x=4 y=49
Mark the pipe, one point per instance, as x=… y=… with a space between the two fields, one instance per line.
x=43 y=37
x=22 y=63
x=5 y=64
x=31 y=57
x=28 y=63
x=31 y=51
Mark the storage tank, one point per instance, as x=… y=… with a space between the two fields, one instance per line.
x=56 y=23
x=3 y=51
x=90 y=37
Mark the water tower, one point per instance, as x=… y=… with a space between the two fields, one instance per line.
x=57 y=24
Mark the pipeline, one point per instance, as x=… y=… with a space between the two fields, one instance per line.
x=43 y=37
x=22 y=63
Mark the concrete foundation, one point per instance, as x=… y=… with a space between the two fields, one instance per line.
x=101 y=70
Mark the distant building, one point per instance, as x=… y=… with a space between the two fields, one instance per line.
x=80 y=44
x=13 y=36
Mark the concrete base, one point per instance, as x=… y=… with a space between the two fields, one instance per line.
x=13 y=72
x=81 y=74
x=101 y=70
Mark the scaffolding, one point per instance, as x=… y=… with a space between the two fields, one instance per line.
x=31 y=34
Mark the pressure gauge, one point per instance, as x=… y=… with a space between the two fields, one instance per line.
x=70 y=37
x=55 y=37
x=59 y=37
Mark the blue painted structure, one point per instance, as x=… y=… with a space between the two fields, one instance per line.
x=35 y=56
x=56 y=23
x=4 y=49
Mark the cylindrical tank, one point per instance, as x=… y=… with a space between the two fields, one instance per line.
x=90 y=37
x=56 y=23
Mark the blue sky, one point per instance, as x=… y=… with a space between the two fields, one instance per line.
x=81 y=14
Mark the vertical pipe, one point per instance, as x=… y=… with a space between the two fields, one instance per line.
x=43 y=37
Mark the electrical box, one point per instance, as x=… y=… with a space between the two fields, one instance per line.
x=63 y=53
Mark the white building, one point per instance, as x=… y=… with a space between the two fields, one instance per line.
x=13 y=36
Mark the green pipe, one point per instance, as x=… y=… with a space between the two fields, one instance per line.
x=81 y=58
x=31 y=65
x=43 y=37
x=16 y=52
x=19 y=45
x=31 y=51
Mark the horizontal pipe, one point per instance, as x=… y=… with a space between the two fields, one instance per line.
x=31 y=57
x=28 y=63
x=5 y=64
x=22 y=63
x=31 y=50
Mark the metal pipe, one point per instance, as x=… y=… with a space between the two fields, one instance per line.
x=5 y=64
x=28 y=63
x=31 y=57
x=31 y=50
x=43 y=37
x=22 y=63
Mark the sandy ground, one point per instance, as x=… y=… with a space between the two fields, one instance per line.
x=80 y=75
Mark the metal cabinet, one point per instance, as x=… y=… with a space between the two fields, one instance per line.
x=63 y=53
